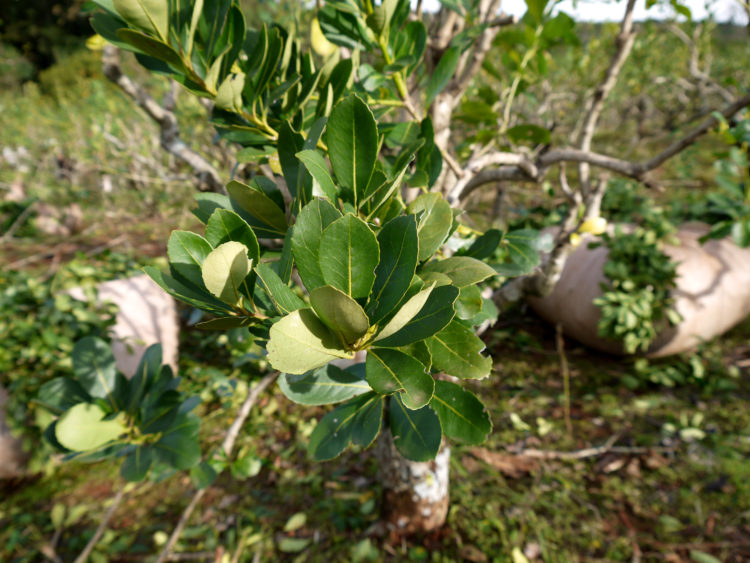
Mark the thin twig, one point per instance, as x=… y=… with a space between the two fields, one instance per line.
x=227 y=445
x=607 y=447
x=102 y=527
x=18 y=222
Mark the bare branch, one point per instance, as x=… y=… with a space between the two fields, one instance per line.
x=84 y=555
x=623 y=46
x=635 y=170
x=166 y=119
x=227 y=445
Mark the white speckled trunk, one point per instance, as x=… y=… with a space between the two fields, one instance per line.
x=415 y=495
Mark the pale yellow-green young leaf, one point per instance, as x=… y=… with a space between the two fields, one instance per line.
x=229 y=95
x=212 y=76
x=225 y=269
x=197 y=9
x=300 y=342
x=147 y=15
x=405 y=313
x=339 y=312
x=82 y=429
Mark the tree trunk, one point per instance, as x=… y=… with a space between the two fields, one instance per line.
x=415 y=494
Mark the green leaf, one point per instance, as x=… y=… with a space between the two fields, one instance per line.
x=528 y=133
x=407 y=311
x=137 y=463
x=186 y=252
x=178 y=447
x=260 y=206
x=339 y=312
x=316 y=165
x=436 y=313
x=224 y=271
x=283 y=298
x=148 y=15
x=352 y=136
x=442 y=74
x=462 y=416
x=433 y=223
x=82 y=429
x=416 y=433
x=94 y=367
x=399 y=250
x=348 y=256
x=151 y=47
x=311 y=222
x=324 y=386
x=389 y=371
x=456 y=351
x=485 y=245
x=297 y=178
x=202 y=475
x=741 y=233
x=358 y=419
x=462 y=270
x=469 y=302
x=61 y=393
x=226 y=323
x=225 y=226
x=148 y=370
x=198 y=299
x=229 y=93
x=299 y=342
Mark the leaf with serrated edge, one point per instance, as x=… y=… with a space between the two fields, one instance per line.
x=324 y=386
x=390 y=370
x=224 y=271
x=456 y=351
x=348 y=256
x=299 y=342
x=339 y=312
x=462 y=416
x=462 y=270
x=416 y=434
x=405 y=313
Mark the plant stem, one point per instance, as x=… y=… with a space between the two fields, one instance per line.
x=84 y=555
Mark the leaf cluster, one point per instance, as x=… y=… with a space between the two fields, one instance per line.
x=100 y=414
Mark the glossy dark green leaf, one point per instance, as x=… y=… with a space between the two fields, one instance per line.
x=311 y=222
x=181 y=292
x=94 y=368
x=317 y=167
x=416 y=433
x=260 y=206
x=151 y=47
x=297 y=177
x=208 y=203
x=137 y=463
x=433 y=223
x=399 y=251
x=186 y=252
x=442 y=74
x=355 y=418
x=462 y=270
x=148 y=370
x=435 y=315
x=389 y=371
x=283 y=298
x=352 y=137
x=485 y=245
x=327 y=385
x=348 y=256
x=462 y=416
x=455 y=350
x=225 y=225
x=339 y=312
